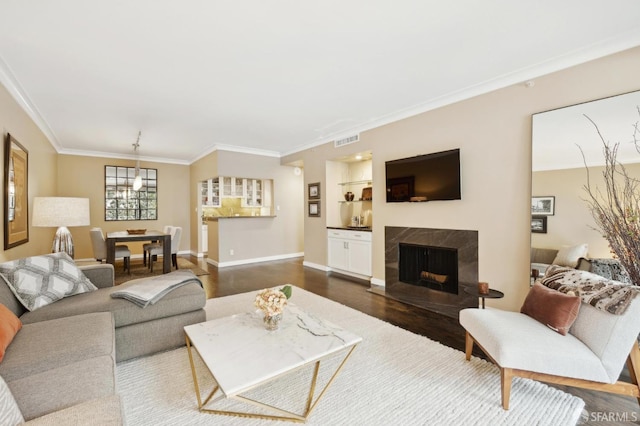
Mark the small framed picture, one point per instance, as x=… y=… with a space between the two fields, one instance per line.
x=314 y=191
x=314 y=208
x=539 y=224
x=543 y=206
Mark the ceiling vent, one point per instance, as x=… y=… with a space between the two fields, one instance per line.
x=346 y=141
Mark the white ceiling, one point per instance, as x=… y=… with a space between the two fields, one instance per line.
x=277 y=76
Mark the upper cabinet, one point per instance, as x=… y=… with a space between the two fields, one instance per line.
x=252 y=193
x=210 y=194
x=226 y=196
x=232 y=186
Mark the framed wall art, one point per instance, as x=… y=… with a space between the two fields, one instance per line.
x=314 y=208
x=543 y=206
x=314 y=191
x=16 y=201
x=539 y=224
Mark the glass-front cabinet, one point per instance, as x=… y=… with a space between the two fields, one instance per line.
x=252 y=193
x=232 y=186
x=228 y=196
x=211 y=192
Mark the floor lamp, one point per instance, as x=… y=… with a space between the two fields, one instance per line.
x=61 y=212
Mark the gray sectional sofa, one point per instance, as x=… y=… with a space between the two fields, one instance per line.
x=60 y=367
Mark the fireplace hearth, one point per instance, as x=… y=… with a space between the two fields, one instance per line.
x=430 y=268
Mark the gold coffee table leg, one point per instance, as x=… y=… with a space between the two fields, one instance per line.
x=280 y=414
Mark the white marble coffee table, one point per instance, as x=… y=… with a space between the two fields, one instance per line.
x=241 y=355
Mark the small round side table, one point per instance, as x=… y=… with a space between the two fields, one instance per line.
x=493 y=294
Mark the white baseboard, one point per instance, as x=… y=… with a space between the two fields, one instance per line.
x=377 y=281
x=350 y=274
x=316 y=266
x=254 y=260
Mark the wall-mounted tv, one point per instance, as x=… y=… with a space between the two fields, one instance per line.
x=426 y=177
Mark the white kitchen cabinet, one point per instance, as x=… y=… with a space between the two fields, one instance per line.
x=350 y=251
x=252 y=193
x=211 y=193
x=205 y=238
x=232 y=186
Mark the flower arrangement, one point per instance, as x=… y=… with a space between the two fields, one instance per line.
x=272 y=301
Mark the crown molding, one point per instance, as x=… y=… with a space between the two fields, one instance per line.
x=11 y=83
x=234 y=148
x=122 y=156
x=579 y=56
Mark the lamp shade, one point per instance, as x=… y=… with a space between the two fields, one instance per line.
x=60 y=211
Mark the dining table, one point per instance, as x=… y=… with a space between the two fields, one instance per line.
x=123 y=236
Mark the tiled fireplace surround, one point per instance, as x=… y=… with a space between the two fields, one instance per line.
x=466 y=242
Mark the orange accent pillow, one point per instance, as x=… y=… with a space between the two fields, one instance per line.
x=556 y=310
x=9 y=326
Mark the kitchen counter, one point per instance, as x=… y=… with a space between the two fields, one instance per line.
x=351 y=228
x=215 y=218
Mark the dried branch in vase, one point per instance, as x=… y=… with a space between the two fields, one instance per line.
x=616 y=208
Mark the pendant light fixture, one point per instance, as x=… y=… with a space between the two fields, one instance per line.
x=137 y=182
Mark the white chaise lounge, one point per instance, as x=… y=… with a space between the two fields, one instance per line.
x=591 y=355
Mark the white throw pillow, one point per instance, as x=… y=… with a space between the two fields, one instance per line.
x=10 y=414
x=570 y=255
x=40 y=280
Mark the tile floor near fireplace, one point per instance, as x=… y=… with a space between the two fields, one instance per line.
x=430 y=268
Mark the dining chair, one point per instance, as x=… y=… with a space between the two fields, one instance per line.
x=146 y=246
x=100 y=249
x=153 y=252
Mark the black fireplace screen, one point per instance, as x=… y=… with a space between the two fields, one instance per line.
x=426 y=266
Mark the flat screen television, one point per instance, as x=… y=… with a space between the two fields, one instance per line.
x=422 y=178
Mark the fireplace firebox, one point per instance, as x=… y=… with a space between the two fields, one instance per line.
x=427 y=266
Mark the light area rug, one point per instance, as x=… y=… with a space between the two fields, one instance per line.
x=393 y=377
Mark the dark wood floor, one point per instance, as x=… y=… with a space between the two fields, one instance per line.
x=602 y=408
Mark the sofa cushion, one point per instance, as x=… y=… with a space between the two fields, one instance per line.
x=515 y=340
x=556 y=310
x=570 y=255
x=40 y=280
x=187 y=298
x=10 y=414
x=100 y=411
x=63 y=387
x=55 y=343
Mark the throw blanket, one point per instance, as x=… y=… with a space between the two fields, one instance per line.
x=607 y=295
x=148 y=291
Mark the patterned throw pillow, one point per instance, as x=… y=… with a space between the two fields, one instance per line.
x=40 y=280
x=10 y=414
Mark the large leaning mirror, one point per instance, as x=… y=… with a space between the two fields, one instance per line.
x=558 y=169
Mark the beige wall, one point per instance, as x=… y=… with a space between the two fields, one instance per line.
x=260 y=237
x=41 y=169
x=572 y=223
x=493 y=132
x=80 y=176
